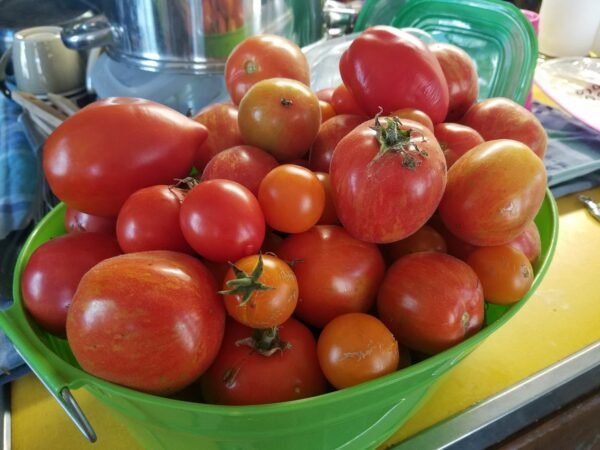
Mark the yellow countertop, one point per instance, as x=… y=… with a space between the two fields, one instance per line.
x=562 y=317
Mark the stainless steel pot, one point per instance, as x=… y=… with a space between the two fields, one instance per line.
x=193 y=36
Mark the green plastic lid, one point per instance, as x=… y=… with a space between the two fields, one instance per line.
x=495 y=33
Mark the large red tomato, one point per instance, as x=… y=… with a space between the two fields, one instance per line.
x=431 y=301
x=461 y=75
x=336 y=273
x=494 y=191
x=388 y=68
x=502 y=118
x=151 y=321
x=54 y=270
x=261 y=57
x=104 y=153
x=387 y=183
x=264 y=366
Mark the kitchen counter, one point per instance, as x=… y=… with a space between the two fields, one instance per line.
x=560 y=319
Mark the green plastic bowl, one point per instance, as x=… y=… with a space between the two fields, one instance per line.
x=359 y=417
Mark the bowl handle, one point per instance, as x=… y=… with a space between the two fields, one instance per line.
x=93 y=32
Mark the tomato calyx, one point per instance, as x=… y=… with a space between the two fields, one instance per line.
x=265 y=341
x=465 y=320
x=393 y=139
x=286 y=102
x=245 y=284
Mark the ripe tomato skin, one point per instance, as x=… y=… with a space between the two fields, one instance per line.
x=330 y=133
x=529 y=242
x=418 y=78
x=325 y=94
x=220 y=119
x=456 y=140
x=54 y=270
x=149 y=220
x=264 y=309
x=327 y=111
x=336 y=273
x=460 y=74
x=354 y=348
x=102 y=154
x=431 y=301
x=505 y=273
x=222 y=220
x=261 y=57
x=243 y=164
x=329 y=216
x=502 y=118
x=414 y=114
x=281 y=116
x=493 y=192
x=343 y=102
x=243 y=376
x=363 y=186
x=292 y=198
x=425 y=239
x=78 y=221
x=151 y=321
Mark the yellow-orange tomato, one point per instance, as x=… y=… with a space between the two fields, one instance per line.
x=327 y=111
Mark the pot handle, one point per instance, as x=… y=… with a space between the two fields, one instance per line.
x=94 y=32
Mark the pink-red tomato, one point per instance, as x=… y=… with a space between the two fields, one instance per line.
x=77 y=221
x=292 y=198
x=330 y=133
x=505 y=273
x=460 y=74
x=268 y=296
x=456 y=140
x=325 y=94
x=354 y=348
x=149 y=220
x=54 y=270
x=529 y=242
x=221 y=121
x=329 y=216
x=431 y=301
x=336 y=273
x=281 y=116
x=425 y=239
x=151 y=321
x=261 y=57
x=402 y=73
x=411 y=170
x=243 y=164
x=102 y=154
x=493 y=192
x=222 y=220
x=287 y=370
x=343 y=102
x=414 y=114
x=502 y=118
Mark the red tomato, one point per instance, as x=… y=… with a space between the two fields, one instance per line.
x=329 y=216
x=529 y=242
x=292 y=198
x=431 y=301
x=102 y=154
x=336 y=273
x=54 y=270
x=425 y=239
x=456 y=140
x=344 y=102
x=261 y=57
x=502 y=118
x=330 y=133
x=356 y=347
x=454 y=245
x=77 y=221
x=149 y=220
x=414 y=114
x=327 y=111
x=505 y=273
x=325 y=94
x=460 y=74
x=260 y=291
x=493 y=192
x=221 y=121
x=387 y=53
x=151 y=321
x=280 y=116
x=243 y=164
x=256 y=367
x=222 y=220
x=411 y=170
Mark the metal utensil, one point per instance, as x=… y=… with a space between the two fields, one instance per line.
x=592 y=206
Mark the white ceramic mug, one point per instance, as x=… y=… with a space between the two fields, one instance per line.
x=43 y=64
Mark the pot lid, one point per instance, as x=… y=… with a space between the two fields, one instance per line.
x=18 y=14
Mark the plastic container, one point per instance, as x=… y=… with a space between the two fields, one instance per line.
x=359 y=417
x=494 y=33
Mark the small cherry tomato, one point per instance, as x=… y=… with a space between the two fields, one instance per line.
x=344 y=103
x=414 y=114
x=330 y=133
x=425 y=239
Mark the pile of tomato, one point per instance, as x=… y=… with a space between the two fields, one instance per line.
x=289 y=242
